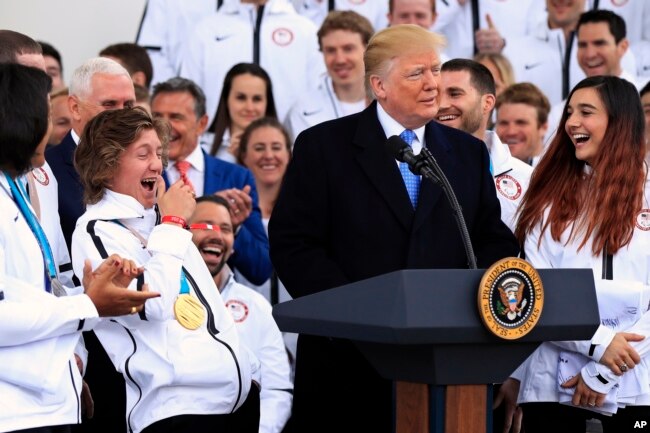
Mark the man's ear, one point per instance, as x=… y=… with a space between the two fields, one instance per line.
x=488 y=101
x=622 y=47
x=377 y=86
x=203 y=123
x=139 y=78
x=74 y=107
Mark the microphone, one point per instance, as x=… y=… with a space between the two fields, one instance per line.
x=402 y=152
x=426 y=165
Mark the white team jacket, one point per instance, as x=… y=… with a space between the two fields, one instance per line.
x=47 y=190
x=39 y=379
x=313 y=108
x=258 y=330
x=538 y=58
x=512 y=18
x=316 y=10
x=288 y=51
x=168 y=369
x=164 y=27
x=511 y=178
x=631 y=273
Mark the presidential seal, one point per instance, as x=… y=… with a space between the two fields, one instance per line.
x=510 y=298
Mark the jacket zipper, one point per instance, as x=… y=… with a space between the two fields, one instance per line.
x=213 y=331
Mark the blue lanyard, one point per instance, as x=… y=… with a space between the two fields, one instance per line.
x=185 y=288
x=19 y=195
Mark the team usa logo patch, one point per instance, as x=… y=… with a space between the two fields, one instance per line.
x=282 y=36
x=238 y=310
x=510 y=298
x=41 y=176
x=508 y=186
x=643 y=220
x=619 y=3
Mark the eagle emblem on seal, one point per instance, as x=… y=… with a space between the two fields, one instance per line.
x=512 y=302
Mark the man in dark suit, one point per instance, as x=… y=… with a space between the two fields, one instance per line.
x=345 y=214
x=182 y=103
x=98 y=84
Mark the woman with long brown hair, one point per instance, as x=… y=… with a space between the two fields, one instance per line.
x=587 y=206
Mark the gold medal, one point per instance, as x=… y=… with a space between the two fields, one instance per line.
x=188 y=311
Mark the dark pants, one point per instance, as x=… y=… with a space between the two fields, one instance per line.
x=55 y=429
x=191 y=424
x=245 y=420
x=107 y=388
x=337 y=390
x=548 y=417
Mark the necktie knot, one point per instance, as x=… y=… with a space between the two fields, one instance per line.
x=408 y=136
x=183 y=167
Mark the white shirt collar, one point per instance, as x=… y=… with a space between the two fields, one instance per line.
x=75 y=137
x=196 y=173
x=228 y=282
x=196 y=159
x=393 y=127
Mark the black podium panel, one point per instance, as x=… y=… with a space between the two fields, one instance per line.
x=446 y=364
x=423 y=325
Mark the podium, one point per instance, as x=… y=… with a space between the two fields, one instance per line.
x=421 y=328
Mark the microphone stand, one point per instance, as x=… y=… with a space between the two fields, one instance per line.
x=431 y=170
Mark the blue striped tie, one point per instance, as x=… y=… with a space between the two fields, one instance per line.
x=411 y=180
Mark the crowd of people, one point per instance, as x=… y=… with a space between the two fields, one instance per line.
x=157 y=205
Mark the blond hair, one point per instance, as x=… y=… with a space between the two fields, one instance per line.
x=394 y=41
x=501 y=63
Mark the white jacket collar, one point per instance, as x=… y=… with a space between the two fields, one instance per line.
x=543 y=31
x=499 y=153
x=116 y=206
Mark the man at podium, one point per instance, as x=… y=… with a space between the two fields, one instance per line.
x=347 y=211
